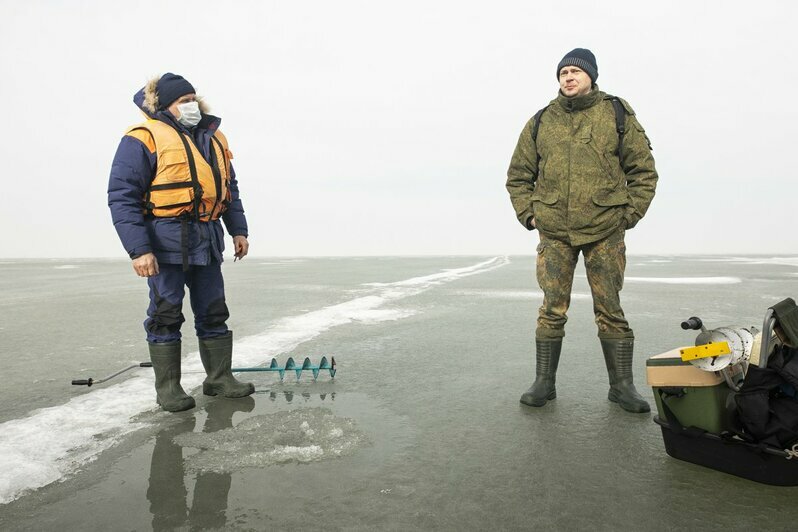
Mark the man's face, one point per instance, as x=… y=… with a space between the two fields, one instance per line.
x=574 y=81
x=183 y=99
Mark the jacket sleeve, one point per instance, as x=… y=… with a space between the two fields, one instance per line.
x=131 y=174
x=638 y=165
x=233 y=218
x=522 y=174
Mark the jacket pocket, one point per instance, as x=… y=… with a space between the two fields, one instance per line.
x=170 y=201
x=166 y=235
x=549 y=198
x=611 y=199
x=173 y=165
x=544 y=209
x=609 y=210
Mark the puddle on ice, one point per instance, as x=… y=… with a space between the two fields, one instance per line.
x=294 y=436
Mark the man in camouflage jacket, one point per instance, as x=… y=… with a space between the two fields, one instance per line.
x=581 y=177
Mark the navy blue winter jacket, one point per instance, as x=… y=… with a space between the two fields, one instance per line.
x=133 y=170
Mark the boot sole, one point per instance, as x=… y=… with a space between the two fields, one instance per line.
x=210 y=390
x=178 y=407
x=540 y=402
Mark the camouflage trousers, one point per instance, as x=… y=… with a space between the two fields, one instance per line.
x=605 y=262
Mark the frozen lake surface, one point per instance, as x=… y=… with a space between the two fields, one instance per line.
x=421 y=428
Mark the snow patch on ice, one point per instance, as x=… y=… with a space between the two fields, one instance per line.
x=66 y=267
x=56 y=441
x=780 y=261
x=685 y=280
x=754 y=261
x=286 y=334
x=446 y=275
x=513 y=294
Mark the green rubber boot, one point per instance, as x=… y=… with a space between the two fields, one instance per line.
x=618 y=356
x=217 y=358
x=547 y=356
x=165 y=359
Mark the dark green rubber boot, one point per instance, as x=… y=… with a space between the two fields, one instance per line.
x=547 y=356
x=618 y=356
x=165 y=359
x=217 y=357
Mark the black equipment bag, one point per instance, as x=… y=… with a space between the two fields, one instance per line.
x=766 y=406
x=764 y=446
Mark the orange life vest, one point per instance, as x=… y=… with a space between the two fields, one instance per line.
x=184 y=181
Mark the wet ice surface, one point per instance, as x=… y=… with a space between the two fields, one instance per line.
x=109 y=411
x=295 y=436
x=436 y=394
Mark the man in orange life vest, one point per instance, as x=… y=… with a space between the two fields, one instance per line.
x=171 y=182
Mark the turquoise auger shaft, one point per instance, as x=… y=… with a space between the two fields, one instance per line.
x=290 y=365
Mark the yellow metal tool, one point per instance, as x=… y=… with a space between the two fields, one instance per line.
x=712 y=349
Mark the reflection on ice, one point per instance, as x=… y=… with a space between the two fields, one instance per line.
x=293 y=436
x=288 y=395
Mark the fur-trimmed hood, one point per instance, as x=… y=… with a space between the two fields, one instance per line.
x=146 y=99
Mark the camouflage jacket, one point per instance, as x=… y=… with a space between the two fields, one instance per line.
x=582 y=189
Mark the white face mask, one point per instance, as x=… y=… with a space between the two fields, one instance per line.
x=190 y=114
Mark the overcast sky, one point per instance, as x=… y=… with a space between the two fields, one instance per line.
x=368 y=128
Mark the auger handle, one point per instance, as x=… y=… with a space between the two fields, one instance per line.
x=693 y=323
x=90 y=381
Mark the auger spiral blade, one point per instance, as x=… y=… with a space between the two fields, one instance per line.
x=290 y=365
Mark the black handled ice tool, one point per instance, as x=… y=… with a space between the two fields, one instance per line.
x=90 y=381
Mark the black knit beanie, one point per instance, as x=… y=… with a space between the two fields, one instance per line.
x=171 y=87
x=582 y=58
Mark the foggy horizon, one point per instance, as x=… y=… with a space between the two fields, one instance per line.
x=361 y=129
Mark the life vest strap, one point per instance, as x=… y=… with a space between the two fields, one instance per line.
x=184 y=241
x=173 y=205
x=217 y=176
x=171 y=186
x=192 y=167
x=226 y=156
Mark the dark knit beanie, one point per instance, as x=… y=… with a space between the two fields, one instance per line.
x=171 y=87
x=582 y=58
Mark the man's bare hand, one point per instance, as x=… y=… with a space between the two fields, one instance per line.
x=146 y=265
x=241 y=246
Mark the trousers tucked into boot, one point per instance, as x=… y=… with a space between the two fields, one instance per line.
x=165 y=359
x=217 y=358
x=618 y=356
x=547 y=356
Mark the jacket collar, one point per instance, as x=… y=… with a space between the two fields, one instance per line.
x=579 y=103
